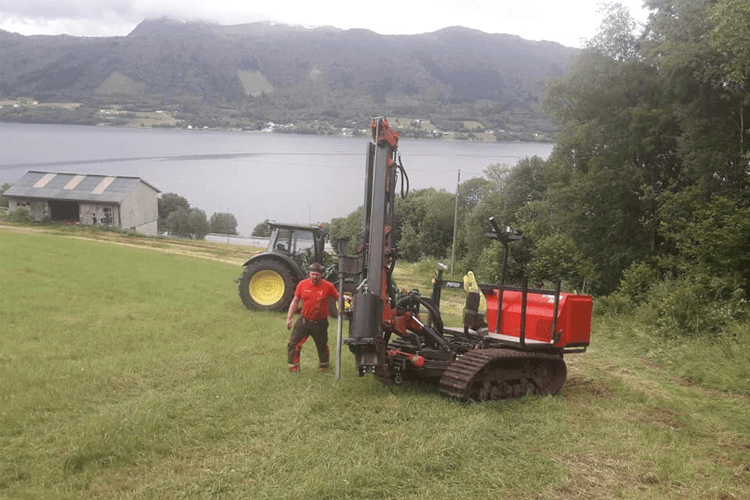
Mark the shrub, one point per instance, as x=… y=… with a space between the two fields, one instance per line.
x=637 y=280
x=426 y=266
x=688 y=307
x=20 y=215
x=556 y=257
x=612 y=305
x=488 y=268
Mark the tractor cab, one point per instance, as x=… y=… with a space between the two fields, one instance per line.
x=303 y=244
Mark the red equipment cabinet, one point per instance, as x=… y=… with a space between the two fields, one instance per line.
x=573 y=324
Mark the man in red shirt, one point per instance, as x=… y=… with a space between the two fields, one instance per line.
x=314 y=292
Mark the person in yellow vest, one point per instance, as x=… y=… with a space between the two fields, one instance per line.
x=476 y=305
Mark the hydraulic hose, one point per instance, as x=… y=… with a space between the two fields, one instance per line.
x=435 y=334
x=437 y=319
x=405 y=178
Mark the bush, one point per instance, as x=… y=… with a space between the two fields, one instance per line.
x=3 y=200
x=637 y=281
x=409 y=246
x=687 y=307
x=20 y=215
x=488 y=268
x=427 y=266
x=556 y=257
x=612 y=305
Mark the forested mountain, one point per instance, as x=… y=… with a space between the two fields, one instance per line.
x=283 y=72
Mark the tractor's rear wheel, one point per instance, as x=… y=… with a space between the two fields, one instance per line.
x=268 y=285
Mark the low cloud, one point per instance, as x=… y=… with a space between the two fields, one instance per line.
x=565 y=22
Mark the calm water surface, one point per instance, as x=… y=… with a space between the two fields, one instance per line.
x=255 y=176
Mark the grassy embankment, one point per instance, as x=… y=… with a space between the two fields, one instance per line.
x=130 y=372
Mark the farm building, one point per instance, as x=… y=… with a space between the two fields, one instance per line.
x=126 y=202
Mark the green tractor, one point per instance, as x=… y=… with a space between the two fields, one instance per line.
x=269 y=278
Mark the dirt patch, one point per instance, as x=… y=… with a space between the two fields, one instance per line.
x=598 y=476
x=582 y=388
x=660 y=417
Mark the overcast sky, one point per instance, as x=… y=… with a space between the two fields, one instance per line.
x=568 y=22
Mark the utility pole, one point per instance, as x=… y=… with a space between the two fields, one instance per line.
x=455 y=222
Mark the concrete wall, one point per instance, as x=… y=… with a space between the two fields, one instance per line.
x=99 y=213
x=148 y=229
x=39 y=209
x=140 y=210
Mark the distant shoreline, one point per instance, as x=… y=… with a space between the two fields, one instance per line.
x=446 y=137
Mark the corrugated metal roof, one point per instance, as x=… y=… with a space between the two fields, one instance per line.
x=74 y=187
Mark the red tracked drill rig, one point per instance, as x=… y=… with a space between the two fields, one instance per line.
x=519 y=350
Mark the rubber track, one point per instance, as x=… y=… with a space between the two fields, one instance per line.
x=459 y=379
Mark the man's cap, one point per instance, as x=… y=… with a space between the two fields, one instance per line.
x=315 y=267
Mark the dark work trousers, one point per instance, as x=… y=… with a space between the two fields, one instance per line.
x=304 y=328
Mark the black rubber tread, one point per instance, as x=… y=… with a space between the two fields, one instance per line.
x=290 y=284
x=489 y=374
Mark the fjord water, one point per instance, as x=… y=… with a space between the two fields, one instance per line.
x=255 y=176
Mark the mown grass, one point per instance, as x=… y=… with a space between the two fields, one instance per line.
x=130 y=373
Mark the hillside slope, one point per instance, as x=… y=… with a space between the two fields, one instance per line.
x=149 y=379
x=260 y=68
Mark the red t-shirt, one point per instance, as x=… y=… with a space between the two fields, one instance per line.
x=315 y=298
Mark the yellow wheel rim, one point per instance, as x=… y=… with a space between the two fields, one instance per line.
x=266 y=287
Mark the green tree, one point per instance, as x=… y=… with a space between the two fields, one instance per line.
x=711 y=238
x=473 y=192
x=411 y=210
x=436 y=228
x=198 y=225
x=651 y=163
x=497 y=173
x=730 y=38
x=223 y=223
x=3 y=189
x=428 y=215
x=409 y=246
x=167 y=204
x=488 y=267
x=705 y=88
x=347 y=227
x=556 y=257
x=177 y=223
x=617 y=38
x=188 y=223
x=616 y=149
x=525 y=183
x=700 y=47
x=476 y=224
x=262 y=229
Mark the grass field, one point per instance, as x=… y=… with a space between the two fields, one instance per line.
x=134 y=372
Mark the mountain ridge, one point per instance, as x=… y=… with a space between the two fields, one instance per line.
x=325 y=72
